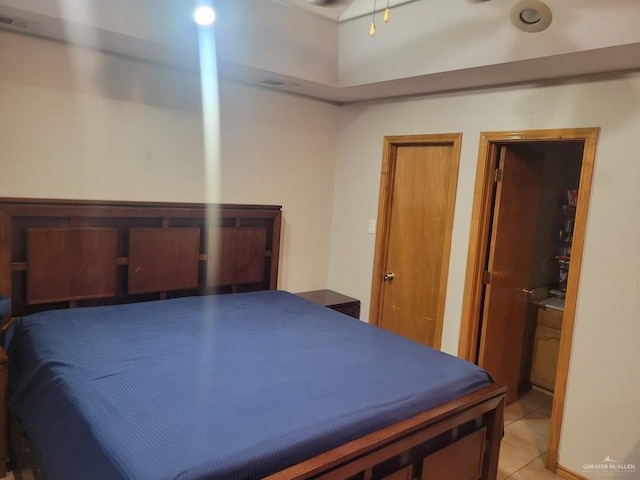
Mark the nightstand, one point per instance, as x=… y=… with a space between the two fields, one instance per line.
x=335 y=301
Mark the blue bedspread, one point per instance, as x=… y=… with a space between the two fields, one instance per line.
x=231 y=386
x=5 y=306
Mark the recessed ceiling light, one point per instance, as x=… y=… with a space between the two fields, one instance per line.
x=204 y=16
x=531 y=16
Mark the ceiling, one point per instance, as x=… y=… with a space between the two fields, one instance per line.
x=332 y=9
x=325 y=51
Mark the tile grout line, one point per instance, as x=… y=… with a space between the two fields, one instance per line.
x=519 y=447
x=526 y=464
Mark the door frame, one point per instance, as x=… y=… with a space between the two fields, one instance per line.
x=387 y=177
x=479 y=242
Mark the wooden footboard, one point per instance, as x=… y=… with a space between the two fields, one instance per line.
x=459 y=440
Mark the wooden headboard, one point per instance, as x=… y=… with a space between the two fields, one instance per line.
x=65 y=254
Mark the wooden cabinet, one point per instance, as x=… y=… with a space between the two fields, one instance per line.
x=335 y=301
x=546 y=345
x=548 y=317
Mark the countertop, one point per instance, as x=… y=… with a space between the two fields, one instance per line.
x=554 y=303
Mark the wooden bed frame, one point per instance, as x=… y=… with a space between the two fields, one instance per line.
x=66 y=254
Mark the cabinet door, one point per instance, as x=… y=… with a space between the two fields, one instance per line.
x=548 y=317
x=545 y=357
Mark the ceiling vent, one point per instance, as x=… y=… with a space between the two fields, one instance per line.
x=17 y=23
x=272 y=82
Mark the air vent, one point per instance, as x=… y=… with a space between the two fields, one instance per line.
x=16 y=23
x=272 y=82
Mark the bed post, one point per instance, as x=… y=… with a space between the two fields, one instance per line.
x=5 y=290
x=495 y=430
x=5 y=256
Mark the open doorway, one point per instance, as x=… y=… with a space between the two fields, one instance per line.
x=529 y=218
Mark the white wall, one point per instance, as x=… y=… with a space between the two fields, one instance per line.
x=265 y=35
x=602 y=416
x=427 y=37
x=281 y=149
x=275 y=37
x=79 y=124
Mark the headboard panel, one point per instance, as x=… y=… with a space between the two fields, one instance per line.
x=63 y=254
x=70 y=264
x=164 y=259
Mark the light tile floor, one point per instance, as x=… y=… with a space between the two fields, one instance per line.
x=526 y=435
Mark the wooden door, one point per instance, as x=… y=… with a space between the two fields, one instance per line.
x=510 y=257
x=414 y=235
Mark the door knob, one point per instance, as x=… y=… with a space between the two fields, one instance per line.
x=389 y=276
x=527 y=291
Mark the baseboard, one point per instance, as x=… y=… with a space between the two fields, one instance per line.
x=541 y=390
x=568 y=474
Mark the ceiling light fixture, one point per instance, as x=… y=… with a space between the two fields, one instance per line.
x=385 y=18
x=531 y=16
x=372 y=30
x=204 y=16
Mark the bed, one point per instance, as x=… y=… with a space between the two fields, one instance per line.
x=143 y=358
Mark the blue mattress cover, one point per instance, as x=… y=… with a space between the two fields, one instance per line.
x=5 y=306
x=232 y=386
